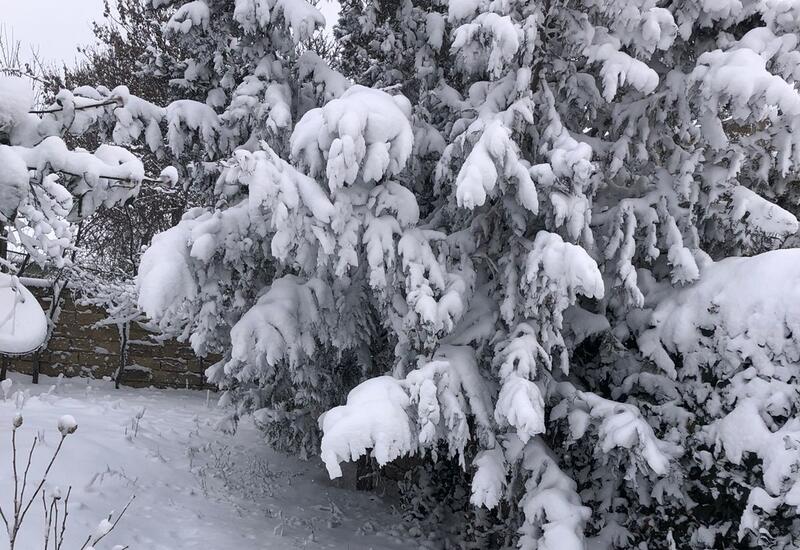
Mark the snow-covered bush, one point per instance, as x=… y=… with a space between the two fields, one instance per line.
x=525 y=258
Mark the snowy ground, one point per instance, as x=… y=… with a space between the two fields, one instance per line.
x=195 y=486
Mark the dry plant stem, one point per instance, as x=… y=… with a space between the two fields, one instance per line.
x=48 y=514
x=113 y=525
x=14 y=468
x=55 y=523
x=27 y=468
x=60 y=539
x=19 y=516
x=4 y=518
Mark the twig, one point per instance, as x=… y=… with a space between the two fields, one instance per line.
x=48 y=514
x=27 y=467
x=60 y=538
x=16 y=478
x=41 y=483
x=78 y=108
x=115 y=178
x=113 y=525
x=55 y=522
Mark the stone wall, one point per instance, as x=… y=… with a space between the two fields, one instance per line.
x=79 y=348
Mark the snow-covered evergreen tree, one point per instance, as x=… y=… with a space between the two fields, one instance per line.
x=527 y=260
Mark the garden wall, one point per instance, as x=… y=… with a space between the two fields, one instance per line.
x=79 y=348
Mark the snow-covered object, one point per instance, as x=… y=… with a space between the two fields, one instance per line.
x=489 y=480
x=16 y=99
x=169 y=175
x=13 y=181
x=516 y=243
x=555 y=518
x=41 y=179
x=739 y=321
x=750 y=308
x=492 y=155
x=753 y=221
x=282 y=326
x=501 y=35
x=364 y=133
x=67 y=425
x=190 y=14
x=23 y=325
x=374 y=417
x=165 y=278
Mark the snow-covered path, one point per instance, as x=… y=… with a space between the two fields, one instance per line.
x=195 y=486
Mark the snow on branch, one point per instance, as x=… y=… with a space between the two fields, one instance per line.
x=363 y=134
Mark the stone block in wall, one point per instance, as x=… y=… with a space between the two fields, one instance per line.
x=88 y=317
x=172 y=365
x=150 y=361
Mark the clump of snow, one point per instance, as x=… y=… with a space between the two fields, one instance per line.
x=489 y=480
x=330 y=83
x=749 y=304
x=169 y=175
x=190 y=14
x=461 y=9
x=185 y=117
x=499 y=32
x=373 y=417
x=365 y=132
x=752 y=221
x=739 y=78
x=16 y=99
x=300 y=17
x=23 y=325
x=494 y=155
x=283 y=325
x=67 y=425
x=554 y=515
x=13 y=181
x=619 y=68
x=165 y=278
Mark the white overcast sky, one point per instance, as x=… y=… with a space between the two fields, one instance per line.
x=55 y=27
